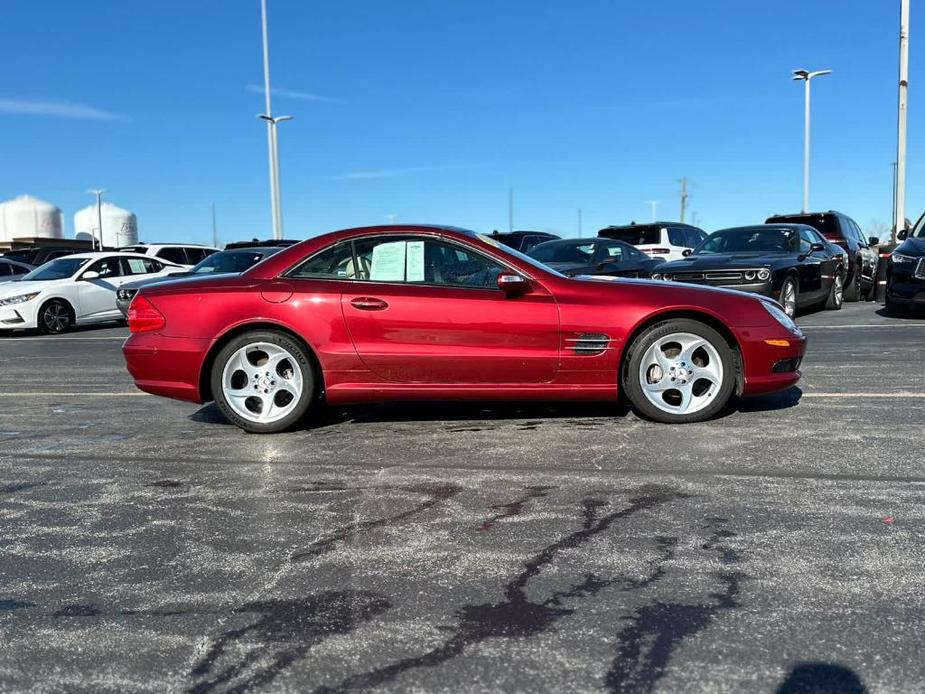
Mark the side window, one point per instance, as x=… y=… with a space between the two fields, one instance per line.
x=694 y=237
x=17 y=270
x=107 y=267
x=860 y=234
x=196 y=255
x=612 y=254
x=6 y=269
x=173 y=255
x=529 y=242
x=425 y=261
x=335 y=262
x=152 y=265
x=806 y=240
x=677 y=237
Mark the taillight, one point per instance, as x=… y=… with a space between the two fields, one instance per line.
x=143 y=317
x=656 y=251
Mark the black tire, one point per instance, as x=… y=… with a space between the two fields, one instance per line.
x=789 y=281
x=55 y=317
x=303 y=362
x=632 y=386
x=836 y=294
x=853 y=284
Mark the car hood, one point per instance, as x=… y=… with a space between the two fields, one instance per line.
x=680 y=292
x=730 y=261
x=18 y=287
x=913 y=247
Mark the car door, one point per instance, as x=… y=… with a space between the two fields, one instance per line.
x=426 y=309
x=97 y=296
x=810 y=269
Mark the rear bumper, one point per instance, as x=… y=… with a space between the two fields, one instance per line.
x=770 y=367
x=167 y=366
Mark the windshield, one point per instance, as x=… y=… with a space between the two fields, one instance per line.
x=564 y=252
x=56 y=270
x=228 y=262
x=520 y=256
x=919 y=229
x=749 y=240
x=634 y=236
x=824 y=224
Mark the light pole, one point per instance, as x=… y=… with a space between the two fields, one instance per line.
x=899 y=196
x=277 y=204
x=654 y=205
x=272 y=142
x=806 y=76
x=99 y=216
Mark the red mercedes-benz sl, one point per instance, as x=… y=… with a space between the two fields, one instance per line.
x=438 y=313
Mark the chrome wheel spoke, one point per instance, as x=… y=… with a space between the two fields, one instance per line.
x=675 y=383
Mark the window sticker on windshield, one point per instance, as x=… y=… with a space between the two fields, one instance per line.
x=414 y=261
x=388 y=263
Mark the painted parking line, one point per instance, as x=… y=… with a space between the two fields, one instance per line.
x=901 y=394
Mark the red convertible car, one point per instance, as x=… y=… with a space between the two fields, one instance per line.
x=438 y=313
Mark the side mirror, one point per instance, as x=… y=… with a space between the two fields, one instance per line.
x=816 y=248
x=874 y=241
x=902 y=235
x=511 y=283
x=687 y=251
x=90 y=275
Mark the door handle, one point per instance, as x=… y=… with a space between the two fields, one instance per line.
x=368 y=303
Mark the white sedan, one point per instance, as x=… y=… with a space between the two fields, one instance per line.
x=73 y=290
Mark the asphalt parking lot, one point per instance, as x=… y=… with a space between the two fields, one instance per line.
x=146 y=545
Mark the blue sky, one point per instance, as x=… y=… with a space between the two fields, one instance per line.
x=430 y=109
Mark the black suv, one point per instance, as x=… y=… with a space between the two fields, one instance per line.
x=522 y=241
x=840 y=229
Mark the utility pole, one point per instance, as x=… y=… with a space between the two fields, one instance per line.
x=510 y=208
x=579 y=223
x=806 y=77
x=99 y=217
x=654 y=205
x=214 y=229
x=684 y=197
x=899 y=216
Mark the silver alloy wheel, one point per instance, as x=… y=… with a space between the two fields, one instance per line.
x=55 y=317
x=262 y=382
x=790 y=299
x=681 y=373
x=839 y=290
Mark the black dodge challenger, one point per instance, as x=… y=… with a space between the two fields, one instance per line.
x=791 y=263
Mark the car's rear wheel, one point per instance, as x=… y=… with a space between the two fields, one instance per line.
x=789 y=292
x=55 y=317
x=680 y=371
x=263 y=381
x=836 y=293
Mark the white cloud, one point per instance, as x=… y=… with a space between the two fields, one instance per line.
x=56 y=109
x=294 y=94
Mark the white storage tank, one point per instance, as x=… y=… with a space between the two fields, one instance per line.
x=120 y=227
x=27 y=217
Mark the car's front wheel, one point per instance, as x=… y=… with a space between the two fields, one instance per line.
x=789 y=292
x=680 y=371
x=836 y=293
x=55 y=318
x=263 y=381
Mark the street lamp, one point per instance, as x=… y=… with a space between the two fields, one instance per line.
x=277 y=204
x=806 y=76
x=99 y=216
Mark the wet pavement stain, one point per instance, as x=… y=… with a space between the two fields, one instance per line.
x=20 y=487
x=78 y=611
x=437 y=494
x=285 y=632
x=516 y=616
x=514 y=508
x=645 y=645
x=10 y=604
x=167 y=484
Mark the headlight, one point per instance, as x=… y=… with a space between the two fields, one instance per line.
x=21 y=299
x=656 y=275
x=781 y=317
x=750 y=275
x=764 y=274
x=901 y=258
x=666 y=277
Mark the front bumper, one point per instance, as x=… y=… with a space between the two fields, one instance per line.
x=19 y=316
x=905 y=283
x=769 y=365
x=167 y=366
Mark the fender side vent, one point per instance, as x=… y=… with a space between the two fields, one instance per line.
x=588 y=343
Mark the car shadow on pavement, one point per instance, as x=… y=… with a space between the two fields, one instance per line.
x=821 y=678
x=587 y=414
